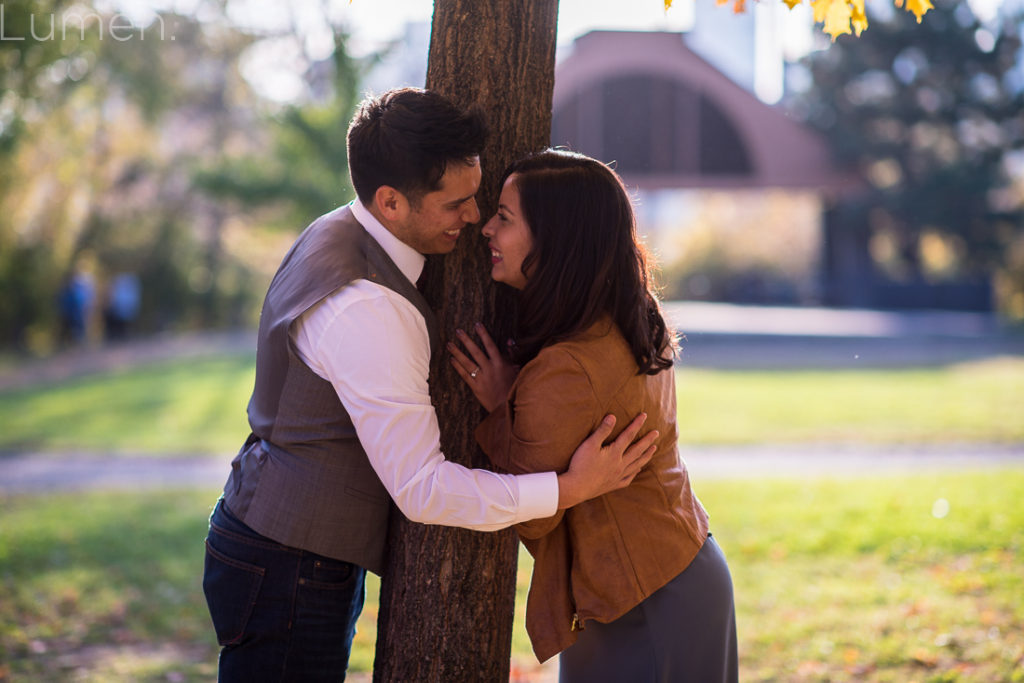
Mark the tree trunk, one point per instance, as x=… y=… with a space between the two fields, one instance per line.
x=447 y=595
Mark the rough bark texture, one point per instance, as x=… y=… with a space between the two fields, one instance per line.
x=447 y=596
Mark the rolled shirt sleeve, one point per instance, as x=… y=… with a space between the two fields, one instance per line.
x=373 y=346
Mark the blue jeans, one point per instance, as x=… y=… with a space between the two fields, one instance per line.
x=280 y=613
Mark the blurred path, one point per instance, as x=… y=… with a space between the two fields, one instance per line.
x=726 y=336
x=47 y=472
x=716 y=336
x=87 y=359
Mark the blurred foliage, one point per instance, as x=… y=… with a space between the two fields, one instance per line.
x=307 y=166
x=24 y=62
x=741 y=246
x=930 y=114
x=141 y=149
x=838 y=17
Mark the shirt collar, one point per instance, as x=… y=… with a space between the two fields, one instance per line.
x=408 y=260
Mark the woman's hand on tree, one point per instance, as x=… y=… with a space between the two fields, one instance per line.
x=485 y=370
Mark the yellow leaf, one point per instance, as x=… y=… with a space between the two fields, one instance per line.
x=820 y=8
x=919 y=7
x=858 y=18
x=837 y=20
x=792 y=3
x=668 y=4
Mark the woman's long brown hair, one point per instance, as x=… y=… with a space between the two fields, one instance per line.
x=586 y=260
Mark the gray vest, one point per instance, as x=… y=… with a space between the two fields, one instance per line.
x=302 y=478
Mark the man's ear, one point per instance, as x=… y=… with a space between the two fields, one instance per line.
x=391 y=203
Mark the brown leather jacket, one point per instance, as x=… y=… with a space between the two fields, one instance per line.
x=601 y=558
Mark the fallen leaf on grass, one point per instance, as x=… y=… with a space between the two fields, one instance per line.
x=925 y=658
x=811 y=668
x=916 y=607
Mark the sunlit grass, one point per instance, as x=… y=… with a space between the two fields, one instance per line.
x=882 y=579
x=893 y=578
x=199 y=405
x=969 y=402
x=908 y=578
x=188 y=406
x=104 y=587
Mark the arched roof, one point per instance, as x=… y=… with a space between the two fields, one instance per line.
x=670 y=119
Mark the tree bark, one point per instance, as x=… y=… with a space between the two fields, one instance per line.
x=447 y=595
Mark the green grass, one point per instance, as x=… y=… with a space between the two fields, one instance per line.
x=861 y=579
x=970 y=402
x=102 y=587
x=884 y=579
x=188 y=406
x=199 y=406
x=864 y=579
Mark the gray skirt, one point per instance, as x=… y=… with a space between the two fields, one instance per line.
x=684 y=631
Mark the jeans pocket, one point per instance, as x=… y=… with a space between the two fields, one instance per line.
x=231 y=587
x=330 y=574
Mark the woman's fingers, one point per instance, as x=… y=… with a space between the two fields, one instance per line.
x=459 y=369
x=479 y=356
x=489 y=345
x=463 y=362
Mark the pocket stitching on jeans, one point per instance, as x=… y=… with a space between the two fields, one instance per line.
x=248 y=540
x=253 y=592
x=245 y=566
x=323 y=585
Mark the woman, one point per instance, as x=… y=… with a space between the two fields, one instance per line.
x=629 y=586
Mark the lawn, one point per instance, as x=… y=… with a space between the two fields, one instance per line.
x=893 y=578
x=198 y=406
x=979 y=401
x=902 y=578
x=186 y=406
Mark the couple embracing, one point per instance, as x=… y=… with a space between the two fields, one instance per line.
x=628 y=583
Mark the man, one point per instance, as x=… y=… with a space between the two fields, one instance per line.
x=341 y=415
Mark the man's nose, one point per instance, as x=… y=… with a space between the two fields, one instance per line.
x=472 y=214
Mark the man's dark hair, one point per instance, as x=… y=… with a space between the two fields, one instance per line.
x=406 y=138
x=586 y=260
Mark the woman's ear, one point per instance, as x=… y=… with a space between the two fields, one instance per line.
x=390 y=203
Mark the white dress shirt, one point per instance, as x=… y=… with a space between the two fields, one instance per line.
x=372 y=345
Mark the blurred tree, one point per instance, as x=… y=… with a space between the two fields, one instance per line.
x=26 y=55
x=184 y=82
x=36 y=77
x=305 y=169
x=99 y=175
x=930 y=114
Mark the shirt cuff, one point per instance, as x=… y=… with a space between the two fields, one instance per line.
x=538 y=495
